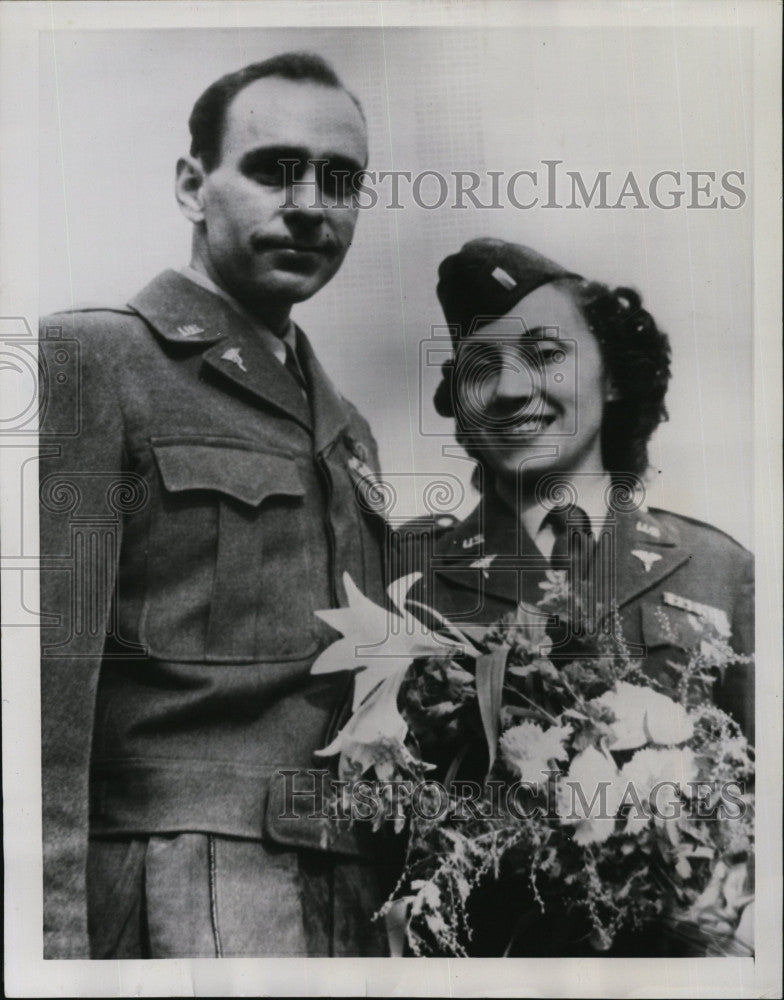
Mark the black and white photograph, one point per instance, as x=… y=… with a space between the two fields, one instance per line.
x=391 y=494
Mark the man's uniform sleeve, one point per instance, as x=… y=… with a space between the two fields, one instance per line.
x=80 y=534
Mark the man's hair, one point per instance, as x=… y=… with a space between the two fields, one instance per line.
x=636 y=358
x=208 y=117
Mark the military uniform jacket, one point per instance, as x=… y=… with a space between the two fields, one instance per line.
x=196 y=510
x=670 y=574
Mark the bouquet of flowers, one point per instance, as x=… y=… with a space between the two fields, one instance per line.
x=618 y=802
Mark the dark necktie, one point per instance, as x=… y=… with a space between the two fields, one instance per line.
x=293 y=366
x=573 y=546
x=574 y=552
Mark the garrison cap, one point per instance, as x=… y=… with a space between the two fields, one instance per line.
x=487 y=277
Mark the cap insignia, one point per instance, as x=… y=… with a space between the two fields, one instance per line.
x=503 y=278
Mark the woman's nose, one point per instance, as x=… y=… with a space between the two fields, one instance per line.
x=516 y=376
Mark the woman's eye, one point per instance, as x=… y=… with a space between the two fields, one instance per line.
x=554 y=355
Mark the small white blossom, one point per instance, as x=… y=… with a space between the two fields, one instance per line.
x=644 y=716
x=590 y=796
x=658 y=777
x=528 y=749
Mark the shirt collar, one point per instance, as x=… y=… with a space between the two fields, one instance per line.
x=592 y=494
x=271 y=341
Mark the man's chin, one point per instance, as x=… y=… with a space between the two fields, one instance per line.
x=288 y=288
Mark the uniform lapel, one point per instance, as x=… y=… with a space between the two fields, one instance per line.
x=182 y=312
x=242 y=360
x=492 y=552
x=330 y=414
x=491 y=542
x=646 y=552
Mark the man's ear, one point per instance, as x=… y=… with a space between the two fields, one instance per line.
x=189 y=188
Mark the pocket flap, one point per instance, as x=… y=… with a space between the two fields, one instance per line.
x=243 y=473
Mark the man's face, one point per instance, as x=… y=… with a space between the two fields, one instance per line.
x=265 y=242
x=532 y=389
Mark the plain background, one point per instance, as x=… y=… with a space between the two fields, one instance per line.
x=113 y=120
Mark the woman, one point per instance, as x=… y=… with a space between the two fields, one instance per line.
x=556 y=386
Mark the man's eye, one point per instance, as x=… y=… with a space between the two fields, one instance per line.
x=269 y=175
x=276 y=173
x=340 y=182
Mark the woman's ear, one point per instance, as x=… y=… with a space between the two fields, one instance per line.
x=189 y=188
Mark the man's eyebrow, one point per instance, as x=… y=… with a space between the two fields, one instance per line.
x=264 y=155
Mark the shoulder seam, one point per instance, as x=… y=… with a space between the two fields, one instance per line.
x=697 y=521
x=122 y=311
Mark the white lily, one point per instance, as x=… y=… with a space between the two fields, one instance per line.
x=380 y=645
x=377 y=720
x=377 y=642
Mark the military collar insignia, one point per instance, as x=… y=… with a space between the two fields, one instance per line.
x=473 y=541
x=647 y=528
x=233 y=355
x=181 y=311
x=189 y=333
x=189 y=330
x=646 y=558
x=484 y=563
x=653 y=531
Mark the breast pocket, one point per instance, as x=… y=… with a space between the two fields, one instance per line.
x=670 y=636
x=227 y=570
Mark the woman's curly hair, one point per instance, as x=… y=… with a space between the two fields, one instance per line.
x=636 y=357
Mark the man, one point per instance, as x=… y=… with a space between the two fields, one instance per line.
x=556 y=386
x=190 y=528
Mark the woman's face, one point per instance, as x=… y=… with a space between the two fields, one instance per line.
x=531 y=390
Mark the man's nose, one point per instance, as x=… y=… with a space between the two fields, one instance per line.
x=305 y=203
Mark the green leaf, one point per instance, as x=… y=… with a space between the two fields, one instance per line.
x=490 y=670
x=457 y=760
